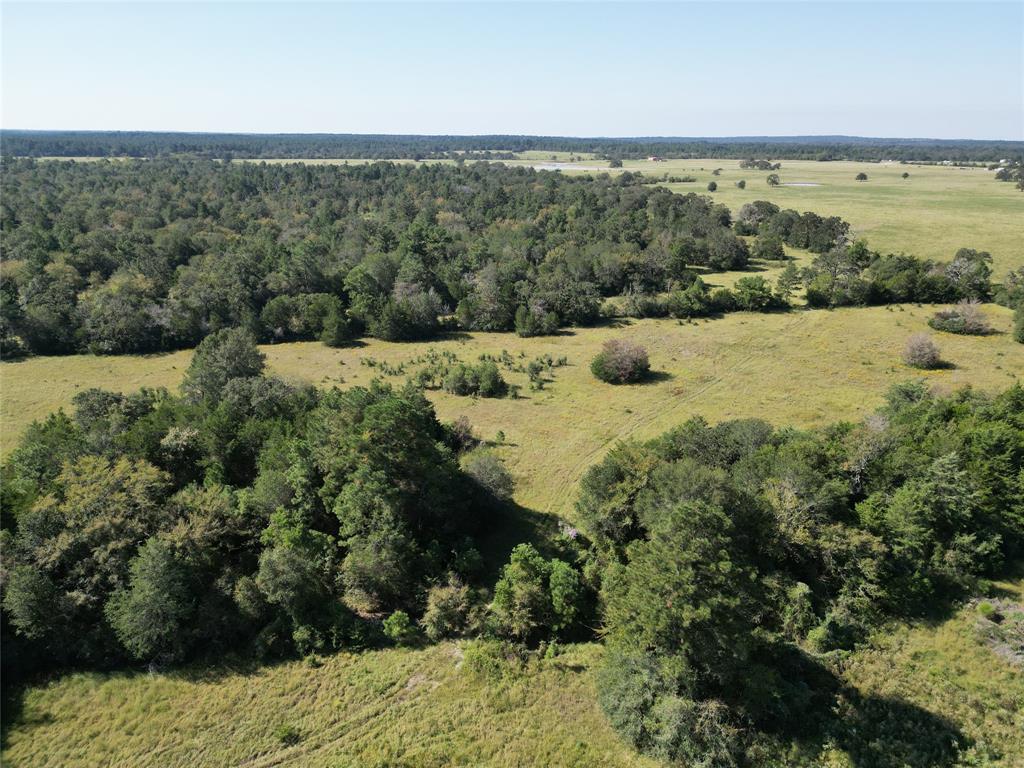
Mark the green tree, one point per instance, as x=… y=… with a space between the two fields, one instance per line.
x=150 y=616
x=222 y=356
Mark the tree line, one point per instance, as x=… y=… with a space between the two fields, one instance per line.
x=141 y=256
x=142 y=144
x=138 y=256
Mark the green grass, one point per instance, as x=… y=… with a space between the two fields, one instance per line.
x=805 y=368
x=404 y=707
x=377 y=708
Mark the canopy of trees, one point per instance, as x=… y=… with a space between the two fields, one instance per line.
x=730 y=555
x=247 y=514
x=133 y=256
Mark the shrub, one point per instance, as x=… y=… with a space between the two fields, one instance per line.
x=690 y=302
x=288 y=735
x=769 y=246
x=1018 y=324
x=965 y=318
x=399 y=628
x=484 y=380
x=535 y=596
x=621 y=362
x=447 y=613
x=921 y=352
x=487 y=468
x=713 y=186
x=643 y=305
x=753 y=293
x=723 y=300
x=492 y=660
x=741 y=184
x=862 y=176
x=534 y=321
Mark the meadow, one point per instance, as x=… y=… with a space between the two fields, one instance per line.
x=804 y=368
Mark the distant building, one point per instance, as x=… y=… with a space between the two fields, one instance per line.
x=656 y=159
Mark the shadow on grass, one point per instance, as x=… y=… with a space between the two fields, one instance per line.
x=654 y=377
x=510 y=525
x=875 y=731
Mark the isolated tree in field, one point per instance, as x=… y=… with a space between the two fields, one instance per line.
x=615 y=163
x=905 y=175
x=773 y=180
x=862 y=176
x=621 y=362
x=741 y=184
x=220 y=357
x=712 y=186
x=921 y=352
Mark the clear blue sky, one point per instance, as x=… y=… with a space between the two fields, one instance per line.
x=930 y=69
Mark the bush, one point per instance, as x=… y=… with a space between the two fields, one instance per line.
x=621 y=362
x=713 y=186
x=489 y=471
x=534 y=321
x=921 y=352
x=965 y=318
x=492 y=660
x=862 y=176
x=642 y=305
x=484 y=380
x=399 y=628
x=690 y=302
x=754 y=294
x=741 y=184
x=288 y=735
x=447 y=613
x=1018 y=324
x=769 y=246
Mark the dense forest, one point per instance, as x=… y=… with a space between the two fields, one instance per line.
x=140 y=256
x=298 y=146
x=727 y=567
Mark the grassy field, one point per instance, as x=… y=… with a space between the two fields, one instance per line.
x=377 y=708
x=805 y=367
x=417 y=708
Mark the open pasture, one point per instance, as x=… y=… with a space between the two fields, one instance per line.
x=805 y=368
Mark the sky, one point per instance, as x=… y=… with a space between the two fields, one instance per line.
x=917 y=69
